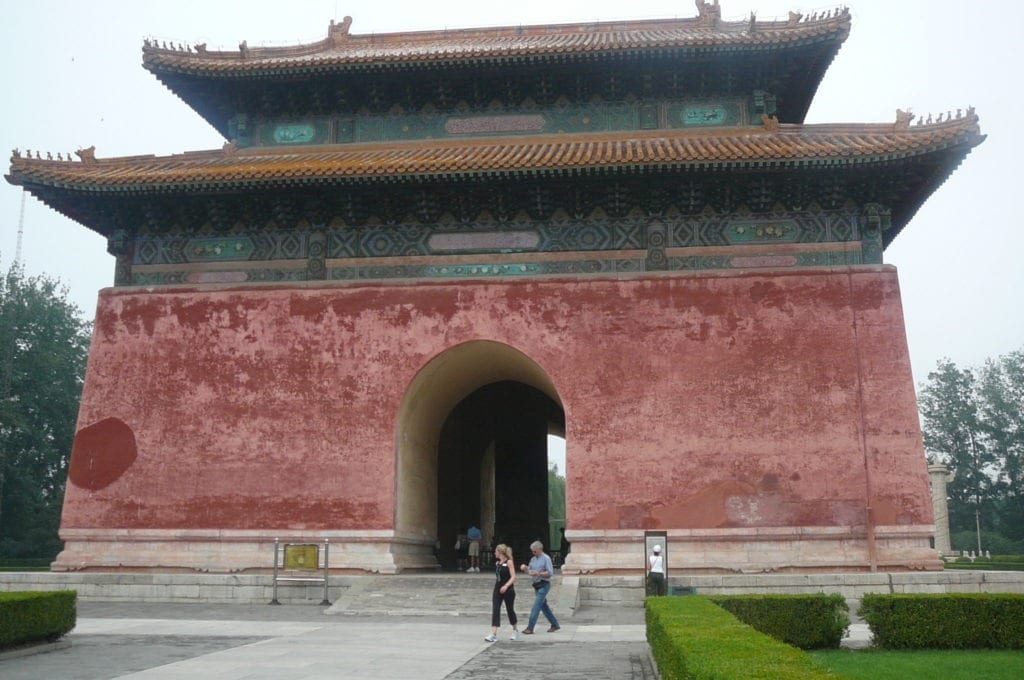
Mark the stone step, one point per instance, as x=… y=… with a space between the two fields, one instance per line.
x=442 y=594
x=470 y=594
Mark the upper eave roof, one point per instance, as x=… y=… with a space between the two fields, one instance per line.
x=343 y=51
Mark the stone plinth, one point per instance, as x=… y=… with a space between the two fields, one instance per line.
x=938 y=477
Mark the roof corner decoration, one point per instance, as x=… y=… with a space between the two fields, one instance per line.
x=87 y=155
x=903 y=119
x=340 y=31
x=708 y=13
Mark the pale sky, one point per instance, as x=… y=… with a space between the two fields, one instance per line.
x=72 y=78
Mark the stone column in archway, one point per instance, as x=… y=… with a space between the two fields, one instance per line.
x=939 y=476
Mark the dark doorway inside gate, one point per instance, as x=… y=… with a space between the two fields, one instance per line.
x=492 y=468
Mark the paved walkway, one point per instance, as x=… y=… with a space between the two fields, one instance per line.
x=147 y=641
x=229 y=642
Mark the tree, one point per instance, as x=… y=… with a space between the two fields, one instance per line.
x=43 y=346
x=556 y=504
x=1001 y=405
x=953 y=433
x=973 y=421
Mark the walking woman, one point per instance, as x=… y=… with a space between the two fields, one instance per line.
x=504 y=591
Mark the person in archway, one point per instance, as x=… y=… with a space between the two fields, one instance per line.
x=504 y=591
x=462 y=549
x=475 y=536
x=541 y=569
x=656 y=571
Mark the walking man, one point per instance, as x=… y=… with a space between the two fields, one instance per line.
x=541 y=569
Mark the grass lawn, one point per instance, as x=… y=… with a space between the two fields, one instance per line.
x=924 y=664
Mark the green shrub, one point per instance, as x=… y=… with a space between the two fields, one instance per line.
x=811 y=621
x=35 y=616
x=946 y=620
x=990 y=540
x=985 y=565
x=24 y=564
x=692 y=638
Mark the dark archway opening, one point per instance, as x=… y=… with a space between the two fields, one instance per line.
x=493 y=468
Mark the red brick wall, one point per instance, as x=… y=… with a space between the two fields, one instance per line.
x=694 y=401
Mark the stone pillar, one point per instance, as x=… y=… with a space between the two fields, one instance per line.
x=938 y=476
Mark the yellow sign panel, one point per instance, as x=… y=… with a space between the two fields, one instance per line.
x=299 y=556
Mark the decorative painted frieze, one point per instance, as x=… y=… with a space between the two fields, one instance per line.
x=601 y=117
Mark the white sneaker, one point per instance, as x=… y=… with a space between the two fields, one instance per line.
x=491 y=638
x=515 y=635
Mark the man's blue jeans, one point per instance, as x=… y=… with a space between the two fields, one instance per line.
x=540 y=604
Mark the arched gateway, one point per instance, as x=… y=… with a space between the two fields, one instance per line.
x=471 y=448
x=417 y=254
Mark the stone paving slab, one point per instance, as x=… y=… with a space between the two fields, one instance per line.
x=105 y=657
x=171 y=642
x=560 y=661
x=241 y=642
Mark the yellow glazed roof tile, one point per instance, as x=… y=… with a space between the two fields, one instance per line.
x=784 y=145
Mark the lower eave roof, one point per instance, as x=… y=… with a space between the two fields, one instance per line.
x=770 y=146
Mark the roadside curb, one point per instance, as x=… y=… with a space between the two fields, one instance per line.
x=34 y=648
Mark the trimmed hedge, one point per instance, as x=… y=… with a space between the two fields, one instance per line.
x=810 y=621
x=37 y=616
x=985 y=565
x=994 y=563
x=24 y=564
x=692 y=638
x=946 y=620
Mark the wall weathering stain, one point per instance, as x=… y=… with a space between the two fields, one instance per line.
x=101 y=453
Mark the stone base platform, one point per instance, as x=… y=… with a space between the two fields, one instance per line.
x=469 y=594
x=618 y=590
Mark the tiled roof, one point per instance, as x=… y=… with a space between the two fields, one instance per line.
x=342 y=50
x=773 y=145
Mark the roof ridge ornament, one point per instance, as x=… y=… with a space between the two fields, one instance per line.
x=87 y=155
x=340 y=30
x=770 y=122
x=903 y=119
x=943 y=117
x=708 y=14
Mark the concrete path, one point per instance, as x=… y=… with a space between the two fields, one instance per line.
x=254 y=642
x=150 y=641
